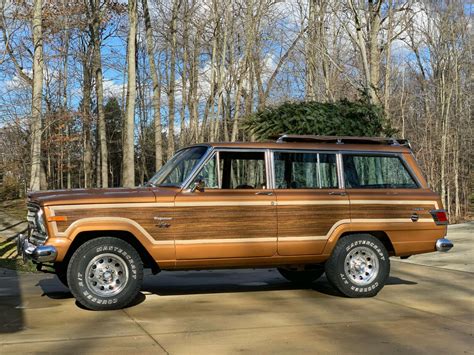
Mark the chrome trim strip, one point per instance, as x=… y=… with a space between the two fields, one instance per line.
x=340 y=171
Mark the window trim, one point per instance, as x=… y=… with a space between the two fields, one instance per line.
x=340 y=182
x=216 y=152
x=381 y=154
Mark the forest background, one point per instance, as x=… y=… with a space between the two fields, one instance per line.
x=100 y=93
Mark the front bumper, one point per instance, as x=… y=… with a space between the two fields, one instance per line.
x=444 y=245
x=39 y=254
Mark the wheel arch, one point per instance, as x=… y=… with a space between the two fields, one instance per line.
x=84 y=236
x=379 y=234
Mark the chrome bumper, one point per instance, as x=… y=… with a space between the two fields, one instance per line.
x=39 y=254
x=444 y=245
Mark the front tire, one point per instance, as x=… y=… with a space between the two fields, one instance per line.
x=105 y=273
x=358 y=266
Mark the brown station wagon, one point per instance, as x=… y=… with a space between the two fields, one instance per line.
x=307 y=205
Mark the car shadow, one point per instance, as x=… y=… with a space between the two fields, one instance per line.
x=392 y=280
x=180 y=283
x=54 y=289
x=11 y=308
x=189 y=284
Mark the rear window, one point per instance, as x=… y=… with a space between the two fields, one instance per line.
x=376 y=172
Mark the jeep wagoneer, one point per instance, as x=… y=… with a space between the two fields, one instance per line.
x=306 y=205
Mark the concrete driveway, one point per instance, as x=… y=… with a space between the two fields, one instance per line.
x=423 y=309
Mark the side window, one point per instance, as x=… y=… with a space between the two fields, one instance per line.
x=243 y=170
x=235 y=170
x=376 y=172
x=209 y=174
x=305 y=170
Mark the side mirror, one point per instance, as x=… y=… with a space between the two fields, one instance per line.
x=198 y=185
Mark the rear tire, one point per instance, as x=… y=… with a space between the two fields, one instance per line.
x=358 y=266
x=105 y=273
x=302 y=277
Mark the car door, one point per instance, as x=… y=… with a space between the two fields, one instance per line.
x=232 y=214
x=386 y=195
x=310 y=202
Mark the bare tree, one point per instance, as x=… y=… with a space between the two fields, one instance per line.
x=36 y=106
x=128 y=145
x=156 y=86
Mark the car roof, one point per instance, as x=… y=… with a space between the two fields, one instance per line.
x=309 y=146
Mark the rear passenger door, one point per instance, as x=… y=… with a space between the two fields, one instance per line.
x=385 y=195
x=310 y=200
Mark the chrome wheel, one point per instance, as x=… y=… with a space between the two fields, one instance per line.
x=106 y=275
x=361 y=266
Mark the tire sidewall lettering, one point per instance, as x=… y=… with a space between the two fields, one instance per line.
x=91 y=297
x=346 y=282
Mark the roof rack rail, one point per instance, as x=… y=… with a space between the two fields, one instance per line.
x=343 y=140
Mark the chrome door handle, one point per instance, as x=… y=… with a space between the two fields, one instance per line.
x=338 y=193
x=264 y=193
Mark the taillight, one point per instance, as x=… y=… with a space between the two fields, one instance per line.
x=440 y=217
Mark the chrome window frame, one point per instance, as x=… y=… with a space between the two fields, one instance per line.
x=215 y=151
x=382 y=154
x=340 y=179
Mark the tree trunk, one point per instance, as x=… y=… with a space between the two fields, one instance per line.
x=97 y=64
x=36 y=126
x=172 y=78
x=128 y=144
x=156 y=87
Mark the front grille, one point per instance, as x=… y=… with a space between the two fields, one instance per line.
x=34 y=218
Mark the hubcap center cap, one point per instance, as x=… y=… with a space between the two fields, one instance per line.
x=107 y=276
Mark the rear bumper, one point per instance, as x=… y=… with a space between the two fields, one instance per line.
x=39 y=254
x=444 y=245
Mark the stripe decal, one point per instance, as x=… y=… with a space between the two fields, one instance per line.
x=246 y=203
x=312 y=202
x=228 y=240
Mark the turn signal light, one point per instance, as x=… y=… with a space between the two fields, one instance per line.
x=57 y=219
x=440 y=217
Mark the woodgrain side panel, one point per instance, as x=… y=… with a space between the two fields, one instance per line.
x=309 y=220
x=377 y=211
x=143 y=216
x=305 y=218
x=224 y=222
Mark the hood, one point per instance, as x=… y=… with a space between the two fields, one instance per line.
x=91 y=196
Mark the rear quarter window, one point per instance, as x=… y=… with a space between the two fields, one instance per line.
x=376 y=172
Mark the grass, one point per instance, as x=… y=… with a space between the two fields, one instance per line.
x=14 y=208
x=18 y=265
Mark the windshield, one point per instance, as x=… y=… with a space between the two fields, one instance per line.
x=178 y=169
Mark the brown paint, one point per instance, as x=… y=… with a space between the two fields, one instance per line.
x=240 y=228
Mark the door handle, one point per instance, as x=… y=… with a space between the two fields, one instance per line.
x=338 y=193
x=264 y=193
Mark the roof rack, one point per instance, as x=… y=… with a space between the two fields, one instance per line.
x=343 y=140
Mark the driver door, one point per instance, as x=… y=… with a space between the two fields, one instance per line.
x=233 y=216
